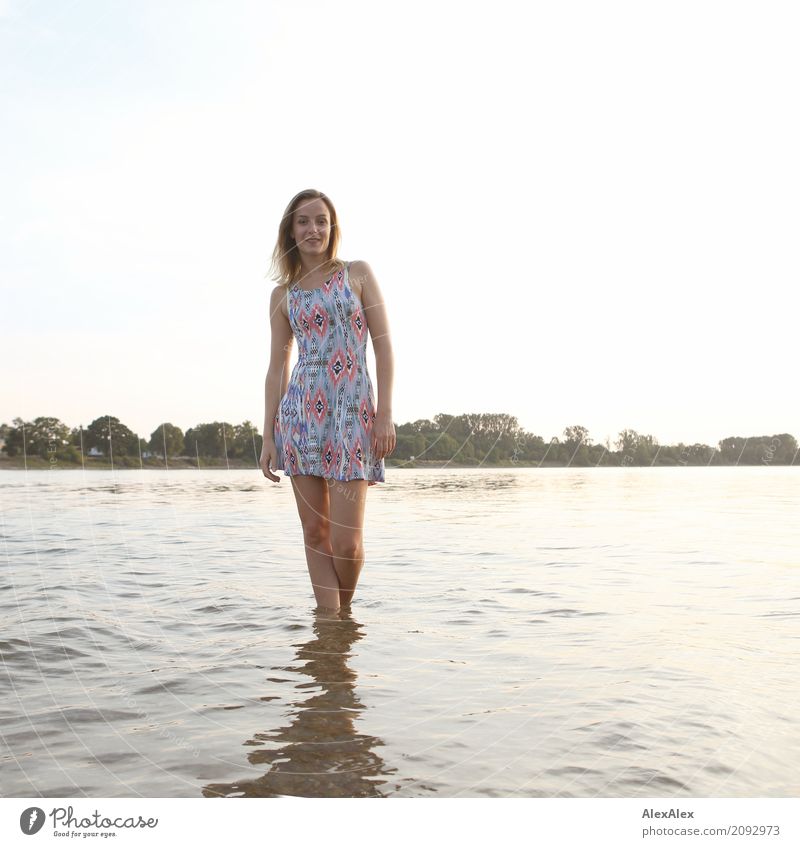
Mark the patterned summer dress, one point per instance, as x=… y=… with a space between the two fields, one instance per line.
x=325 y=418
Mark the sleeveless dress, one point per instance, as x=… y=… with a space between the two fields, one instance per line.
x=325 y=418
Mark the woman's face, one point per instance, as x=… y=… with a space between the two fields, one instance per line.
x=311 y=228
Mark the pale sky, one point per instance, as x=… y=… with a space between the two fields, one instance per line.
x=579 y=213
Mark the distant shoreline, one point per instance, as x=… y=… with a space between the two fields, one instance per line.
x=36 y=463
x=480 y=440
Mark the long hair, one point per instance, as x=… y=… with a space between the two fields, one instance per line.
x=285 y=265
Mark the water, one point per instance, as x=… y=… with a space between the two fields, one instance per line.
x=515 y=633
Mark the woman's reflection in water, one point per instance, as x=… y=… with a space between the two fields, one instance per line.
x=319 y=753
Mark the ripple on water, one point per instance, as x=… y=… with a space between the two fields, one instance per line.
x=520 y=590
x=651 y=779
x=563 y=613
x=175 y=684
x=71 y=715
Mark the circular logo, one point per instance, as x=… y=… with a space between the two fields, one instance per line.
x=31 y=820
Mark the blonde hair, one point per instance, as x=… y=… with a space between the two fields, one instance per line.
x=285 y=265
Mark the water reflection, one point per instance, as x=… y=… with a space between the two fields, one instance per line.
x=320 y=752
x=467 y=483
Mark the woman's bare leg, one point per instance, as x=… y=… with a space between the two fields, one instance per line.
x=346 y=510
x=311 y=495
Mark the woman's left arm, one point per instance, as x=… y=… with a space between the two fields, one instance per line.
x=384 y=438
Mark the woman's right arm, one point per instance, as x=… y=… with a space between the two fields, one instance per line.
x=277 y=376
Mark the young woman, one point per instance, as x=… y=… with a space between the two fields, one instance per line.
x=321 y=424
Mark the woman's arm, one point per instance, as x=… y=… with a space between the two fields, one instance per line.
x=378 y=324
x=280 y=354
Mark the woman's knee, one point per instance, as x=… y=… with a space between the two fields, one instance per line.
x=316 y=530
x=347 y=546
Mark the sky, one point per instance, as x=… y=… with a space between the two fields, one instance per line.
x=578 y=214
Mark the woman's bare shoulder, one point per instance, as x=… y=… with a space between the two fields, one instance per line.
x=359 y=266
x=277 y=300
x=360 y=272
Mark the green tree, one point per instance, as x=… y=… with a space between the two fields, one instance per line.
x=44 y=436
x=730 y=449
x=166 y=440
x=577 y=442
x=49 y=437
x=111 y=437
x=209 y=439
x=627 y=441
x=444 y=447
x=16 y=440
x=242 y=438
x=421 y=425
x=575 y=435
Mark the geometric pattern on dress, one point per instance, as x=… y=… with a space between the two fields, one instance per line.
x=324 y=422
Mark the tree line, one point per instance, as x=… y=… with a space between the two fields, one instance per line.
x=110 y=438
x=469 y=439
x=497 y=439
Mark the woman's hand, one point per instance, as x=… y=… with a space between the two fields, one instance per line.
x=269 y=458
x=384 y=439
